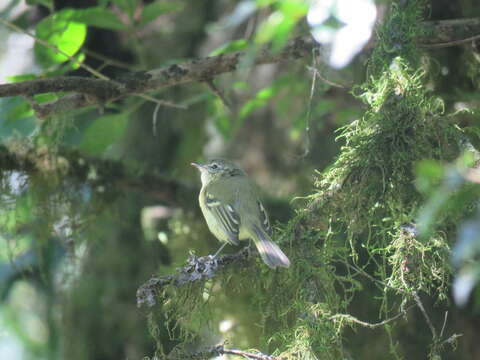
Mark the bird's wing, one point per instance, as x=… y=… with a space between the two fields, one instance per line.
x=264 y=219
x=226 y=216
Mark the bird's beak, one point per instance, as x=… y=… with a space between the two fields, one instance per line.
x=198 y=166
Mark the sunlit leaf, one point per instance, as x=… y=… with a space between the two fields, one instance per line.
x=22 y=77
x=260 y=100
x=279 y=25
x=61 y=32
x=47 y=97
x=157 y=8
x=232 y=46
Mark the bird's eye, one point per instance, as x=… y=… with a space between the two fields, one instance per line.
x=214 y=166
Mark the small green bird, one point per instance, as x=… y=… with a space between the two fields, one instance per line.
x=233 y=212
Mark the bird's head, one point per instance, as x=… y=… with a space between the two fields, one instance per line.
x=218 y=169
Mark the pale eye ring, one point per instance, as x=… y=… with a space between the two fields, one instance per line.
x=214 y=166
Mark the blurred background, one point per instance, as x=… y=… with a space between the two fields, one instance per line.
x=95 y=201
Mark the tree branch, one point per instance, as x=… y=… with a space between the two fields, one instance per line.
x=449 y=32
x=95 y=172
x=220 y=350
x=90 y=86
x=197 y=268
x=91 y=91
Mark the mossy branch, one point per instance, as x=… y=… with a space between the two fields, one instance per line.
x=103 y=175
x=197 y=269
x=220 y=350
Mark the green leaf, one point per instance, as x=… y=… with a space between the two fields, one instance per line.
x=157 y=8
x=60 y=31
x=279 y=25
x=102 y=133
x=260 y=100
x=98 y=17
x=229 y=47
x=47 y=97
x=16 y=119
x=21 y=77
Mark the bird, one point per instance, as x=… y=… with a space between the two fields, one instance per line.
x=233 y=212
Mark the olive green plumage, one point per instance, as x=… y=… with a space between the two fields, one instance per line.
x=233 y=212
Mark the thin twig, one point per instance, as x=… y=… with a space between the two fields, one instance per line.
x=250 y=355
x=109 y=61
x=381 y=284
x=113 y=84
x=425 y=315
x=450 y=43
x=162 y=102
x=325 y=80
x=421 y=307
x=450 y=339
x=154 y=119
x=218 y=92
x=220 y=350
x=309 y=106
x=444 y=324
x=350 y=318
x=54 y=48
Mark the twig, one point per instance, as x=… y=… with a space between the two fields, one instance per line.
x=197 y=268
x=450 y=43
x=350 y=318
x=425 y=315
x=450 y=339
x=54 y=48
x=220 y=350
x=218 y=92
x=249 y=355
x=325 y=80
x=422 y=308
x=110 y=62
x=154 y=119
x=380 y=283
x=109 y=89
x=445 y=33
x=444 y=324
x=144 y=81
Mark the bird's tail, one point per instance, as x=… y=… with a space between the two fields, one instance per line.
x=271 y=254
